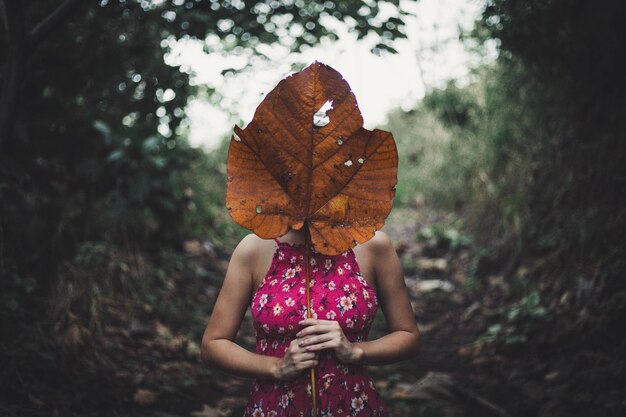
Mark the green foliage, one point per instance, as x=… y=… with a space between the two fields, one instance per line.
x=518 y=321
x=114 y=187
x=15 y=294
x=206 y=215
x=147 y=173
x=423 y=145
x=557 y=142
x=444 y=235
x=454 y=106
x=98 y=148
x=531 y=154
x=99 y=189
x=473 y=285
x=507 y=170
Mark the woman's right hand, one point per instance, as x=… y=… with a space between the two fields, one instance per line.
x=296 y=360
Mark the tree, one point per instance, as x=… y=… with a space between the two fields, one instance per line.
x=84 y=90
x=562 y=63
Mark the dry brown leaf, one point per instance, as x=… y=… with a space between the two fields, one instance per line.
x=145 y=396
x=305 y=159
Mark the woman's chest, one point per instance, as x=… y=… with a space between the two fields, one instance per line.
x=357 y=257
x=337 y=292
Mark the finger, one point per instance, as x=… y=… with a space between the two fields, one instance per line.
x=311 y=340
x=329 y=344
x=305 y=356
x=306 y=364
x=309 y=322
x=315 y=329
x=296 y=348
x=294 y=344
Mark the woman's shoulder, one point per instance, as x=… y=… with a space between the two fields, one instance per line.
x=250 y=243
x=372 y=253
x=378 y=244
x=251 y=246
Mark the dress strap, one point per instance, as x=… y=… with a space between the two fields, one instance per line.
x=298 y=246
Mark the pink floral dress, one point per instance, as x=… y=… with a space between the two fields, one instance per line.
x=338 y=292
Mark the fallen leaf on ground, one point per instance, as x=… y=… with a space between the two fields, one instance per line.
x=440 y=264
x=145 y=396
x=428 y=285
x=209 y=412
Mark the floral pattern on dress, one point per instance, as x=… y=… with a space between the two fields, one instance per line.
x=338 y=292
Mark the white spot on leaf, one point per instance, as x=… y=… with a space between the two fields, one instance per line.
x=259 y=209
x=320 y=118
x=348 y=163
x=361 y=160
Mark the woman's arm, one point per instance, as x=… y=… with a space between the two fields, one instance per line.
x=218 y=346
x=403 y=340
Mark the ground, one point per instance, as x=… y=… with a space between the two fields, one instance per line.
x=480 y=356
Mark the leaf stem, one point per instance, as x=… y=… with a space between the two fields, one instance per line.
x=309 y=314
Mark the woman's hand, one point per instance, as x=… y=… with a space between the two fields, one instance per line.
x=296 y=359
x=327 y=334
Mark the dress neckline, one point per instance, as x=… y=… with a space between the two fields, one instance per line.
x=292 y=245
x=298 y=246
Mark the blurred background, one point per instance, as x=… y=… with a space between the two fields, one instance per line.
x=509 y=217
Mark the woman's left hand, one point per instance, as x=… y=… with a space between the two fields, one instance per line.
x=327 y=334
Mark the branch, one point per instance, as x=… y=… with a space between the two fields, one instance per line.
x=48 y=24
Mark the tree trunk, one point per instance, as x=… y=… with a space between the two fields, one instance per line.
x=19 y=46
x=13 y=73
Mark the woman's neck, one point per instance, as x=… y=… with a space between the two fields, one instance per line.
x=293 y=236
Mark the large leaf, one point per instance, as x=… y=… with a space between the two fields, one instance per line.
x=295 y=165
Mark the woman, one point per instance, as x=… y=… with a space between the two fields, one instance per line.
x=346 y=289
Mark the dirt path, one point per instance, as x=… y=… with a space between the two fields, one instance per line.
x=444 y=380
